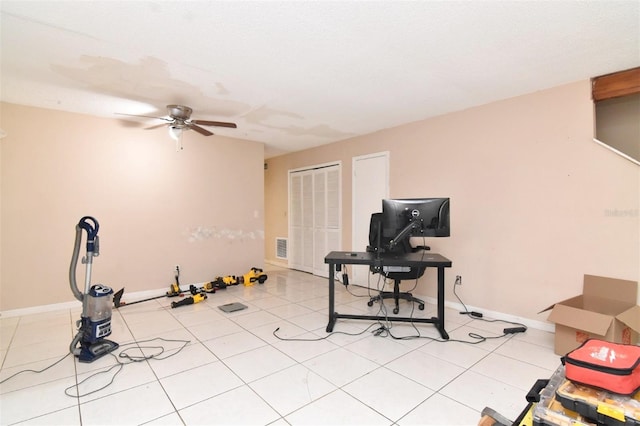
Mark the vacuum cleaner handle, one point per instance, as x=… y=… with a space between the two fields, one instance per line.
x=92 y=232
x=90 y=225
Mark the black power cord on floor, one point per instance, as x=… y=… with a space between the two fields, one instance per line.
x=317 y=339
x=478 y=338
x=123 y=354
x=385 y=329
x=129 y=360
x=382 y=312
x=466 y=311
x=35 y=371
x=519 y=327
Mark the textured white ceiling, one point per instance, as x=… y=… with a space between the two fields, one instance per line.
x=299 y=74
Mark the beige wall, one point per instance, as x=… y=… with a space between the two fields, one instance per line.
x=535 y=203
x=201 y=208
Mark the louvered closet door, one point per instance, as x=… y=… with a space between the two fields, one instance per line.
x=307 y=223
x=326 y=216
x=301 y=221
x=314 y=223
x=295 y=220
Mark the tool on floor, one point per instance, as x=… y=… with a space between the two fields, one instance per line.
x=254 y=275
x=174 y=290
x=117 y=299
x=95 y=322
x=224 y=282
x=197 y=290
x=213 y=286
x=491 y=417
x=196 y=298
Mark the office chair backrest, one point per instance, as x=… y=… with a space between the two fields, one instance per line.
x=379 y=243
x=375 y=232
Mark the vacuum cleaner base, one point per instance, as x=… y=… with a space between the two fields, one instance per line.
x=93 y=351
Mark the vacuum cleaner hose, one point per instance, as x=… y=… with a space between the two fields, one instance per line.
x=73 y=347
x=72 y=268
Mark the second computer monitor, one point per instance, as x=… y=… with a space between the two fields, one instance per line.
x=429 y=216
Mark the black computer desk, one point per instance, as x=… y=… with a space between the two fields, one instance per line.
x=336 y=259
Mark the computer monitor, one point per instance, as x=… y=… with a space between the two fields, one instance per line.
x=414 y=217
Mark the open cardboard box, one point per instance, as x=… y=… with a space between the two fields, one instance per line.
x=605 y=310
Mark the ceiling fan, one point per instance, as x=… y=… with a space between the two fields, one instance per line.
x=180 y=120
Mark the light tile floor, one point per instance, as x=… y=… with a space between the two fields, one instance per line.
x=235 y=370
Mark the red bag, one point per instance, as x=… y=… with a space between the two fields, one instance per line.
x=614 y=367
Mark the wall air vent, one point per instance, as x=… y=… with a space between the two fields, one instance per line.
x=281 y=248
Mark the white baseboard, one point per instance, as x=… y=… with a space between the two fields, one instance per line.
x=277 y=263
x=40 y=309
x=132 y=297
x=538 y=325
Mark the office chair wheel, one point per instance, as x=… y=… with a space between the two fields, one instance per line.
x=396 y=310
x=421 y=306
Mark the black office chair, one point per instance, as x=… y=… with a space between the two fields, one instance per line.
x=377 y=243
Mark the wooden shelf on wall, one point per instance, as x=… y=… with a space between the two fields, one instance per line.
x=617 y=112
x=615 y=85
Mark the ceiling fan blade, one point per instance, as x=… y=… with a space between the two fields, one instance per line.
x=155 y=127
x=215 y=123
x=145 y=116
x=125 y=122
x=200 y=130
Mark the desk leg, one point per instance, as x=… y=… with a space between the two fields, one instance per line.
x=332 y=317
x=440 y=324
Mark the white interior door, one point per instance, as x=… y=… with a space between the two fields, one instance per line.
x=370 y=186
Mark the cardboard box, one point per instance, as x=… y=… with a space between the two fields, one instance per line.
x=605 y=310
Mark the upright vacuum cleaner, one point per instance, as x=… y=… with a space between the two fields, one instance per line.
x=95 y=323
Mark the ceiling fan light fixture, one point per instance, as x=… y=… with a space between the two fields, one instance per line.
x=176 y=134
